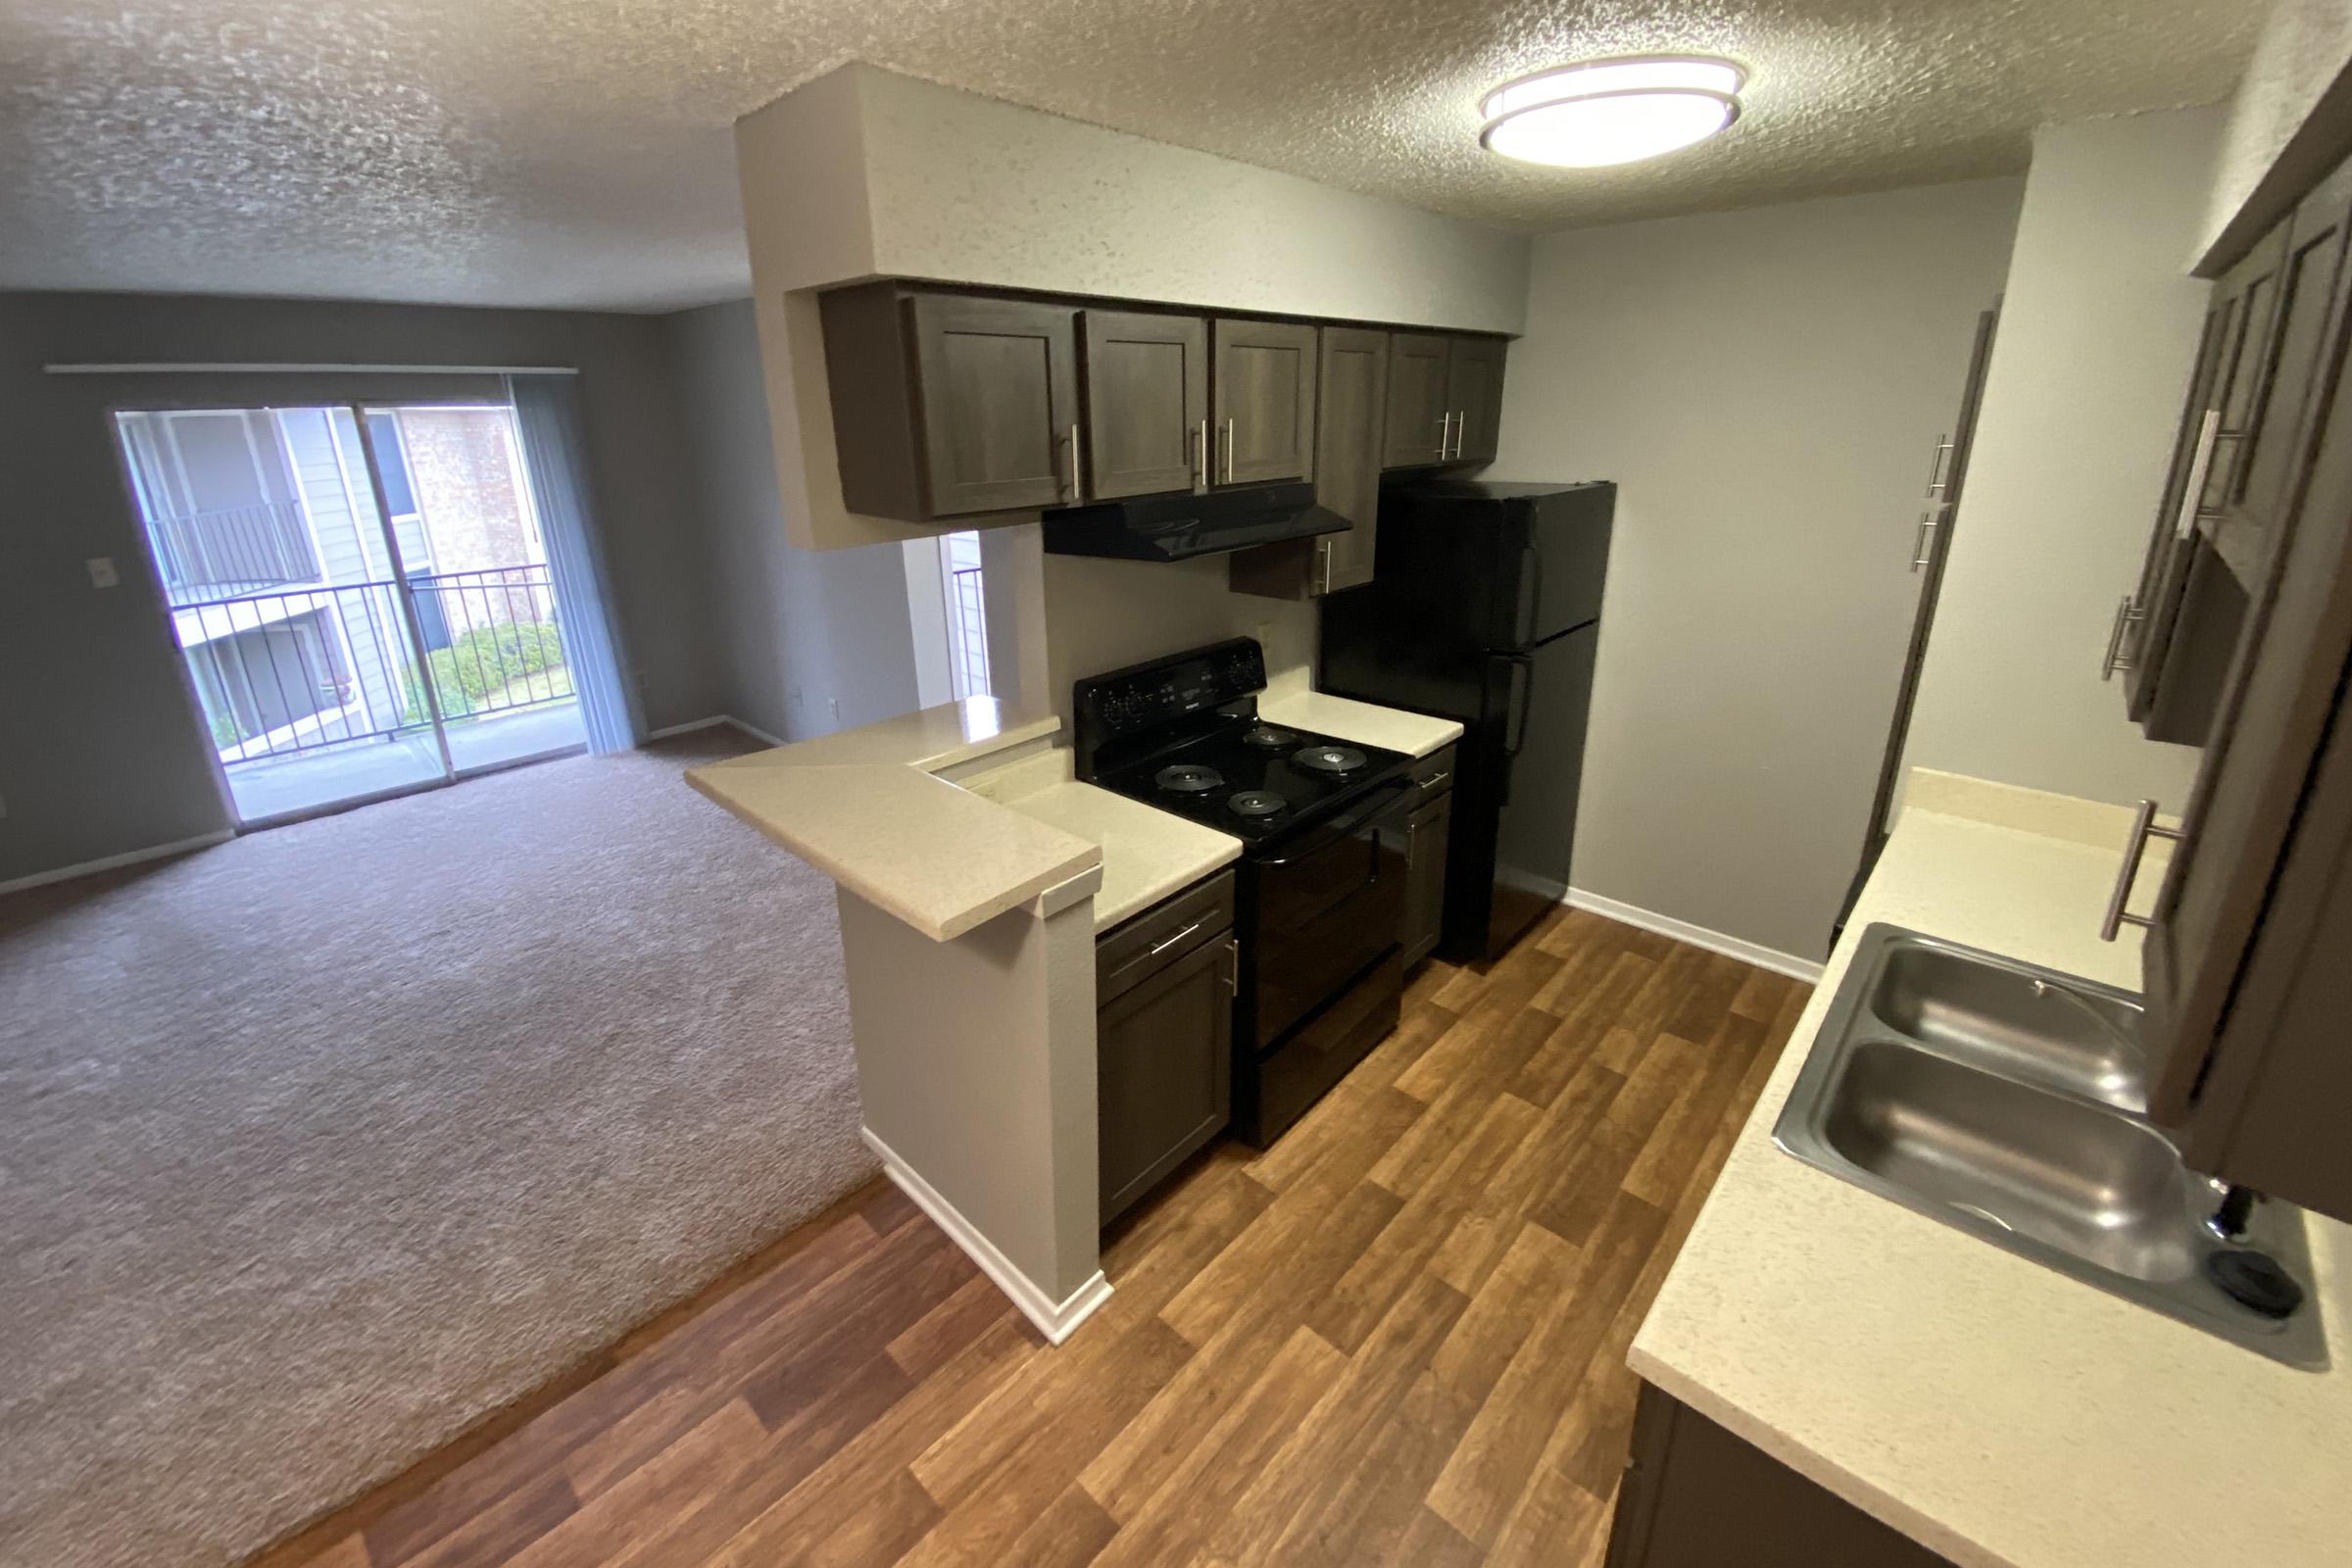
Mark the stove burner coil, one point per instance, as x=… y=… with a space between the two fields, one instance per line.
x=1329 y=759
x=1269 y=737
x=1256 y=803
x=1188 y=778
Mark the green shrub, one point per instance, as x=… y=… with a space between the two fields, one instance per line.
x=226 y=731
x=484 y=661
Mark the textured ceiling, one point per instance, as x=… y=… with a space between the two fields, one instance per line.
x=557 y=152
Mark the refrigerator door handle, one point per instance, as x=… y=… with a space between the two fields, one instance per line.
x=1531 y=593
x=1523 y=699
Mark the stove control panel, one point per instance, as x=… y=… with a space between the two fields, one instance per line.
x=1164 y=692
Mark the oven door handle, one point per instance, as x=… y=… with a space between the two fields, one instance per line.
x=1389 y=798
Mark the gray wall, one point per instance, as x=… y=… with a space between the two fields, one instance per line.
x=99 y=753
x=2099 y=332
x=1765 y=386
x=793 y=631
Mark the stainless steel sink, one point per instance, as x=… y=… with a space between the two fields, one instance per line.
x=2009 y=1101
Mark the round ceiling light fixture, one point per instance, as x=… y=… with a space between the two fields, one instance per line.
x=1617 y=111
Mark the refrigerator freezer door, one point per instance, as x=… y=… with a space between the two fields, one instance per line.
x=1542 y=762
x=1563 y=551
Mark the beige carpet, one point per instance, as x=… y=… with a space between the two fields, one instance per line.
x=318 y=1145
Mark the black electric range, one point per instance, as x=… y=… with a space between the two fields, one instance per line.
x=1321 y=880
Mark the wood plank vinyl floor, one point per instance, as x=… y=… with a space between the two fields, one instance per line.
x=1397 y=1336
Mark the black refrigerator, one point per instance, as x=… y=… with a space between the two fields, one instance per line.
x=1485 y=606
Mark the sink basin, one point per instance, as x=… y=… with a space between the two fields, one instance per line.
x=2079 y=1038
x=2006 y=1101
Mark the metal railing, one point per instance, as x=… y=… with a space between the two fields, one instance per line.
x=301 y=670
x=233 y=551
x=495 y=644
x=969 y=610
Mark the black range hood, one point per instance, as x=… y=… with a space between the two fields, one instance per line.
x=1179 y=527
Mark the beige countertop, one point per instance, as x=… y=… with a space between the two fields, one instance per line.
x=2000 y=1413
x=1147 y=854
x=1347 y=720
x=866 y=807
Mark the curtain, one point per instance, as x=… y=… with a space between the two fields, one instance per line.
x=547 y=419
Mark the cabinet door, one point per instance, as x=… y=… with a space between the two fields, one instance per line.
x=1164 y=1073
x=2220 y=906
x=1146 y=403
x=1474 y=397
x=1418 y=421
x=1426 y=833
x=999 y=385
x=1350 y=424
x=1266 y=401
x=2164 y=570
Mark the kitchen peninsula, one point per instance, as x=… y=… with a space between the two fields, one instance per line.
x=974 y=874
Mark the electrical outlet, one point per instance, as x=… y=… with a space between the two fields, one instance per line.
x=836 y=705
x=102 y=571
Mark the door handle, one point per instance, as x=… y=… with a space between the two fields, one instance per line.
x=1323 y=565
x=1523 y=705
x=1201 y=461
x=2144 y=828
x=2126 y=614
x=1923 y=540
x=1935 y=478
x=1076 y=492
x=1229 y=451
x=2192 y=499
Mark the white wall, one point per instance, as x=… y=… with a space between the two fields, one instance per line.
x=2098 y=328
x=1765 y=387
x=862 y=173
x=2303 y=46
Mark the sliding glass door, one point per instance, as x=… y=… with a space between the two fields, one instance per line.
x=359 y=592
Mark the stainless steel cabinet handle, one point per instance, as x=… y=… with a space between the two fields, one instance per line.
x=1436 y=780
x=2144 y=828
x=1323 y=565
x=1201 y=458
x=1233 y=968
x=1157 y=950
x=2126 y=614
x=1075 y=491
x=1935 y=478
x=1922 y=540
x=2192 y=499
x=1229 y=451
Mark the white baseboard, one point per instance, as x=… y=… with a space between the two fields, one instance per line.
x=1698 y=936
x=113 y=862
x=1055 y=1321
x=713 y=722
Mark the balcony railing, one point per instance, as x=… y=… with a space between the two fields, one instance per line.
x=233 y=551
x=288 y=672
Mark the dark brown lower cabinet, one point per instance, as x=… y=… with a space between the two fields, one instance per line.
x=1696 y=1496
x=1428 y=831
x=1163 y=1038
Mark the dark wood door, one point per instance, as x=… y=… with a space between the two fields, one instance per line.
x=1164 y=1073
x=1350 y=425
x=1426 y=833
x=1264 y=402
x=1419 y=424
x=1146 y=403
x=999 y=385
x=1474 y=397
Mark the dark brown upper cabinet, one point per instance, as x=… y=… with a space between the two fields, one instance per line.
x=2246 y=987
x=951 y=405
x=1263 y=407
x=1474 y=397
x=1146 y=403
x=1445 y=399
x=1349 y=420
x=1420 y=421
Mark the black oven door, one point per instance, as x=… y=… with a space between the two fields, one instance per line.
x=1325 y=909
